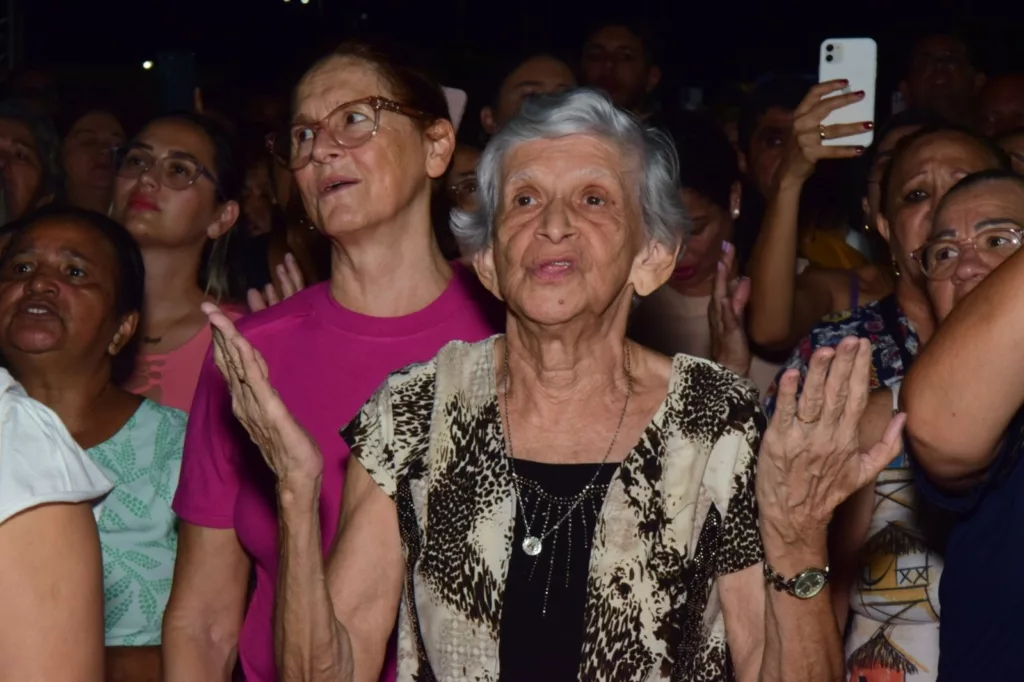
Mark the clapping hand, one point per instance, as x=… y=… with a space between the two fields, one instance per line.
x=810 y=459
x=292 y=282
x=287 y=448
x=729 y=296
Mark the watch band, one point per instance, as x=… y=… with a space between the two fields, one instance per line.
x=783 y=584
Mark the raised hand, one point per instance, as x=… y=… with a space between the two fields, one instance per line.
x=288 y=449
x=729 y=296
x=805 y=147
x=810 y=459
x=292 y=282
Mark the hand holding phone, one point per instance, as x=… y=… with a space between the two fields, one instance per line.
x=808 y=145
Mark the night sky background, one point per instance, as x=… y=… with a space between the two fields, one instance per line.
x=99 y=46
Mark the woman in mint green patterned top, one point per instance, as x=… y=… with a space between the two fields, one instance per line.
x=138 y=530
x=71 y=287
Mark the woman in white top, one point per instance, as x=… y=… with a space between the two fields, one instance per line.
x=51 y=573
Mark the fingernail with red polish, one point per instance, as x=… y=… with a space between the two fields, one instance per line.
x=861 y=150
x=859 y=93
x=869 y=125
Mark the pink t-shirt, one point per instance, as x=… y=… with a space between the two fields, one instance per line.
x=326 y=362
x=170 y=378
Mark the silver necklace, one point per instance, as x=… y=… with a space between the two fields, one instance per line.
x=533 y=544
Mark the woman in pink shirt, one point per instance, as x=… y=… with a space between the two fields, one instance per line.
x=370 y=135
x=177 y=191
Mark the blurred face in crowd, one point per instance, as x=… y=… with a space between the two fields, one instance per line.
x=975 y=231
x=942 y=79
x=1002 y=104
x=346 y=190
x=538 y=75
x=712 y=224
x=156 y=213
x=258 y=198
x=460 y=181
x=1013 y=144
x=614 y=60
x=89 y=159
x=767 y=143
x=921 y=175
x=22 y=168
x=879 y=163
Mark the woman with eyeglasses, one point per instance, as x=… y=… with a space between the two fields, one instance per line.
x=966 y=422
x=885 y=553
x=177 y=192
x=370 y=135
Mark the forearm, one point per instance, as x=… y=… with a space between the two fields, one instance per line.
x=965 y=388
x=802 y=640
x=847 y=533
x=311 y=645
x=133 y=664
x=772 y=268
x=189 y=655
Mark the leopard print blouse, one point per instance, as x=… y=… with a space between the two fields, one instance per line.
x=679 y=513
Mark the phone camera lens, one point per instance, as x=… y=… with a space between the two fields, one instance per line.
x=828 y=58
x=829 y=48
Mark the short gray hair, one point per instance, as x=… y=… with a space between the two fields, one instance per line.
x=581 y=112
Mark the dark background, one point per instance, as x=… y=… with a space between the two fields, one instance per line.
x=241 y=45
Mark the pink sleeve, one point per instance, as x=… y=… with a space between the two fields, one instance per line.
x=210 y=476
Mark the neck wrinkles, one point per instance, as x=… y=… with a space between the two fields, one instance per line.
x=391 y=269
x=562 y=363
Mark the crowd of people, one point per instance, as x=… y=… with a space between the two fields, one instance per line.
x=260 y=382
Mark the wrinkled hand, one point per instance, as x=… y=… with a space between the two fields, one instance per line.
x=805 y=147
x=291 y=280
x=810 y=459
x=288 y=449
x=729 y=296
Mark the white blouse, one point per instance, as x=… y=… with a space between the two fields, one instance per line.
x=40 y=463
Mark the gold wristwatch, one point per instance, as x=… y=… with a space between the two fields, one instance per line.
x=806 y=585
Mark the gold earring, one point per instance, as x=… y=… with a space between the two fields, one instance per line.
x=895 y=266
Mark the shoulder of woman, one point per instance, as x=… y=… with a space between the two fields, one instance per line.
x=704 y=387
x=163 y=417
x=455 y=371
x=39 y=460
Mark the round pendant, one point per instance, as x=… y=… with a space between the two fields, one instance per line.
x=532 y=545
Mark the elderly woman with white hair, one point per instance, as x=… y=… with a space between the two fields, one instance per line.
x=560 y=503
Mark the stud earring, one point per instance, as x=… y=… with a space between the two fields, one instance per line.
x=735 y=213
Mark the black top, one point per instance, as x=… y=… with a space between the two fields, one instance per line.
x=981 y=592
x=542 y=619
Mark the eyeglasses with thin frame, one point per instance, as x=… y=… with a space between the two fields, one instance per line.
x=177 y=170
x=939 y=257
x=350 y=125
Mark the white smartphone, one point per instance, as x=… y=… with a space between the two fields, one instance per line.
x=856 y=60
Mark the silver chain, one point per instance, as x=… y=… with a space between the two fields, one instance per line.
x=586 y=489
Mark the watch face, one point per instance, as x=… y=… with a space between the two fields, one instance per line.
x=809 y=584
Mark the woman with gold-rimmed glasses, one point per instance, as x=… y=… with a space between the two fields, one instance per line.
x=370 y=135
x=964 y=405
x=177 y=190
